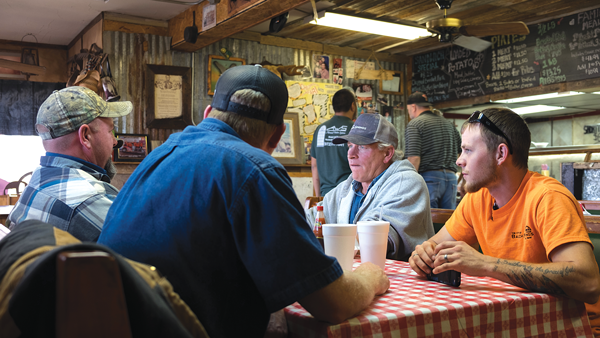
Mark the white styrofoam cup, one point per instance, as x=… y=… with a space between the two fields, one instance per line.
x=339 y=243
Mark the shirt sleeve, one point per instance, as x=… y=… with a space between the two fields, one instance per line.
x=412 y=138
x=458 y=140
x=276 y=244
x=89 y=216
x=560 y=221
x=313 y=145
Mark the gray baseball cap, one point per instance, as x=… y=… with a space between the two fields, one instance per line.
x=368 y=129
x=65 y=110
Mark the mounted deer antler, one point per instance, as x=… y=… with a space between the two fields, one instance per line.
x=291 y=70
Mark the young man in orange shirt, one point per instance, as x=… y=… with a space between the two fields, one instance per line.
x=530 y=227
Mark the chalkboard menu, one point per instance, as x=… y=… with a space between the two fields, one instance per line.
x=560 y=50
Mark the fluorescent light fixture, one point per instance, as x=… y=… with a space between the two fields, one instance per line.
x=370 y=26
x=539 y=97
x=535 y=109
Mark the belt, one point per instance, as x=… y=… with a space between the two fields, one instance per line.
x=444 y=170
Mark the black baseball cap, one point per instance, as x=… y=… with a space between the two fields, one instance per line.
x=419 y=99
x=368 y=129
x=255 y=78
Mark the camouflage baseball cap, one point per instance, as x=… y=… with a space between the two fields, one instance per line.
x=65 y=110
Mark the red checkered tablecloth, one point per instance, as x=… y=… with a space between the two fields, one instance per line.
x=480 y=307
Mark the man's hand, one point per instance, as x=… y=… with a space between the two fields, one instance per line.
x=348 y=295
x=381 y=282
x=460 y=256
x=422 y=258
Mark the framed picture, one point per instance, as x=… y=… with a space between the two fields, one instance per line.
x=169 y=91
x=217 y=65
x=135 y=148
x=321 y=66
x=363 y=91
x=388 y=113
x=290 y=149
x=393 y=86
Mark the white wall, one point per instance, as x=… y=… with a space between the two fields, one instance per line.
x=19 y=155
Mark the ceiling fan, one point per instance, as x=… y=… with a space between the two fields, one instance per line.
x=453 y=30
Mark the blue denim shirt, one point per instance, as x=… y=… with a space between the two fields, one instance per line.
x=220 y=219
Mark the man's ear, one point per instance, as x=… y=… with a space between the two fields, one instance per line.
x=501 y=153
x=389 y=153
x=85 y=134
x=207 y=111
x=276 y=136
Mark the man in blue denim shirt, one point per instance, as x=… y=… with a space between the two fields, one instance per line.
x=71 y=189
x=217 y=215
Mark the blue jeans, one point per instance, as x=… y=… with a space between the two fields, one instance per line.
x=442 y=188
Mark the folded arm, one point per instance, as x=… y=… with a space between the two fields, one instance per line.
x=348 y=295
x=572 y=272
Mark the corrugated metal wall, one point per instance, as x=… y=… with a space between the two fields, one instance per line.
x=130 y=52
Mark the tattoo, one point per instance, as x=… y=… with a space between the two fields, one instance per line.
x=523 y=277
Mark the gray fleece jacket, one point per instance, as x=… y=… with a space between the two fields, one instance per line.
x=405 y=199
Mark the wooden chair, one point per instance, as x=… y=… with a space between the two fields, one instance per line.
x=311 y=201
x=90 y=301
x=440 y=215
x=16 y=185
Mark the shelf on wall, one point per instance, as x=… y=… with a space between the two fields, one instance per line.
x=587 y=149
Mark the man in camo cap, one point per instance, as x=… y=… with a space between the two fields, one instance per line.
x=71 y=189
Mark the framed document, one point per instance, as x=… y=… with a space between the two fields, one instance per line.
x=393 y=86
x=290 y=147
x=168 y=104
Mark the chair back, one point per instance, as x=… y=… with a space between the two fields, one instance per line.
x=439 y=218
x=90 y=301
x=16 y=185
x=311 y=201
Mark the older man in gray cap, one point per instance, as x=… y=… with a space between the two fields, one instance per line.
x=382 y=187
x=71 y=189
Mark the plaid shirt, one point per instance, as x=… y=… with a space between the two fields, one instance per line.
x=69 y=193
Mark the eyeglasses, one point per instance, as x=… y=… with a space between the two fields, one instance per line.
x=482 y=119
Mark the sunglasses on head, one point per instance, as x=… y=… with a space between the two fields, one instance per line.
x=482 y=119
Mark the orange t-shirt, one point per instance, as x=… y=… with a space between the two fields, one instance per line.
x=541 y=216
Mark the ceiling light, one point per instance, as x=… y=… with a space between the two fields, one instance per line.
x=370 y=26
x=539 y=97
x=535 y=109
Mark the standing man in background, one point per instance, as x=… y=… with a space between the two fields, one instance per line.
x=333 y=158
x=432 y=146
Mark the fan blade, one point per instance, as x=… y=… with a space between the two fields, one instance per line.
x=472 y=43
x=502 y=28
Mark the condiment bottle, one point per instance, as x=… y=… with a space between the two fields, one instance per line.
x=318 y=227
x=545 y=170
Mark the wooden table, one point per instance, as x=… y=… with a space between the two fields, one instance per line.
x=480 y=307
x=4 y=212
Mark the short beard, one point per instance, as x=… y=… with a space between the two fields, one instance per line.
x=111 y=169
x=486 y=177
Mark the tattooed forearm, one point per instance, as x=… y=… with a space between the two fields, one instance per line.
x=522 y=275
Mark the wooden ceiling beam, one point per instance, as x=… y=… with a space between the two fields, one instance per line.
x=256 y=13
x=23 y=67
x=318 y=47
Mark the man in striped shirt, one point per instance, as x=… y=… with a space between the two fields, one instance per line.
x=432 y=146
x=71 y=189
